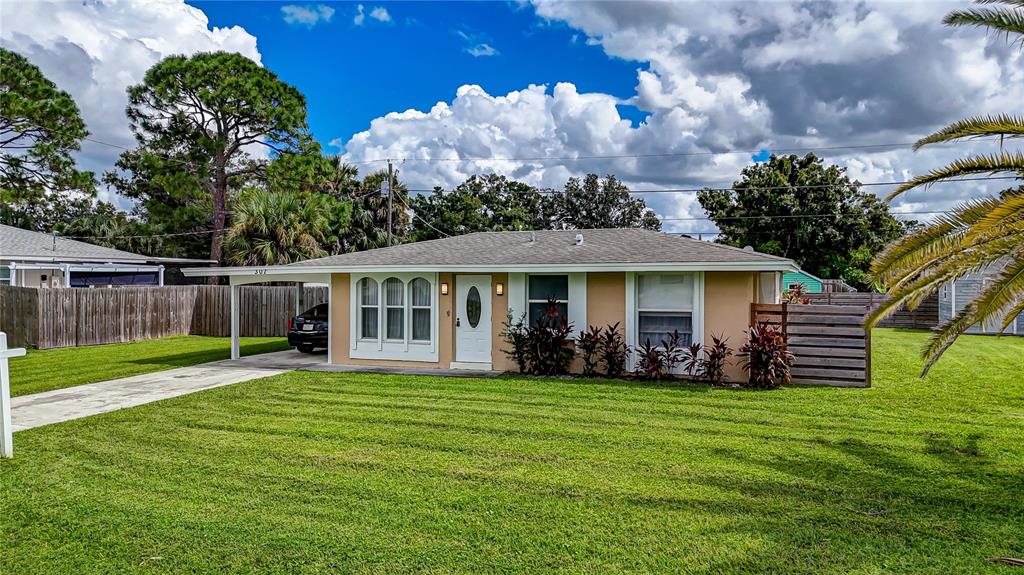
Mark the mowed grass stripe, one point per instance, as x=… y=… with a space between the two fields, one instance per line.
x=325 y=473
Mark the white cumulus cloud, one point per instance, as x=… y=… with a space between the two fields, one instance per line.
x=378 y=13
x=307 y=16
x=94 y=51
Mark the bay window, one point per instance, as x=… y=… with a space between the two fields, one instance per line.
x=394 y=316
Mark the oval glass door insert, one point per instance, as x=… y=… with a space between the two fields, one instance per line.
x=473 y=306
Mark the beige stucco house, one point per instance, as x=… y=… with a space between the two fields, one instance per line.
x=441 y=303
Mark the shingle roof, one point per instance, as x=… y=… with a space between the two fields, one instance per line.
x=16 y=243
x=552 y=247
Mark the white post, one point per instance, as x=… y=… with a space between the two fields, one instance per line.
x=235 y=351
x=6 y=431
x=160 y=275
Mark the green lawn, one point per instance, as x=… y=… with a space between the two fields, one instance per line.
x=43 y=370
x=331 y=473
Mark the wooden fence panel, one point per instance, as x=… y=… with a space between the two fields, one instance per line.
x=829 y=342
x=67 y=317
x=19 y=313
x=926 y=316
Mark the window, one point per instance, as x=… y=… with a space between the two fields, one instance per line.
x=5 y=276
x=368 y=313
x=768 y=287
x=420 y=290
x=542 y=288
x=394 y=304
x=664 y=304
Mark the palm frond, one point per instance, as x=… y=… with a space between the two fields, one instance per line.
x=1009 y=209
x=981 y=164
x=1011 y=316
x=1003 y=21
x=1003 y=125
x=1002 y=296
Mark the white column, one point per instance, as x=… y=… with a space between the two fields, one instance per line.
x=300 y=305
x=160 y=275
x=235 y=350
x=6 y=430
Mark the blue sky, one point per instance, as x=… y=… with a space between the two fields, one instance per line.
x=708 y=84
x=352 y=74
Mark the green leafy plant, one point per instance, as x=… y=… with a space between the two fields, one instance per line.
x=672 y=351
x=613 y=350
x=550 y=345
x=650 y=362
x=515 y=334
x=768 y=357
x=716 y=357
x=693 y=359
x=588 y=343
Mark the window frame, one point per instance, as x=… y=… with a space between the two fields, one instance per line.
x=413 y=307
x=388 y=307
x=633 y=316
x=530 y=301
x=690 y=309
x=362 y=307
x=382 y=347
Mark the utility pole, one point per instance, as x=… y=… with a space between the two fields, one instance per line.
x=391 y=193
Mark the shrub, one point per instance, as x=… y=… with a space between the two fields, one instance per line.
x=515 y=334
x=716 y=357
x=650 y=361
x=588 y=342
x=693 y=358
x=797 y=294
x=613 y=351
x=672 y=351
x=549 y=343
x=768 y=358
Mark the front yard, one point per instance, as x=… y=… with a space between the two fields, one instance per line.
x=325 y=473
x=43 y=370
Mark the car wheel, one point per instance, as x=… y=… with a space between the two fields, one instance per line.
x=304 y=348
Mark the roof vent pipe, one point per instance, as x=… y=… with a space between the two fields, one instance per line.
x=579 y=239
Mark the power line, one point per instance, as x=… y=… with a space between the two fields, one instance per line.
x=751 y=188
x=789 y=216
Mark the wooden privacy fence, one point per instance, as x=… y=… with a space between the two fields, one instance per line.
x=68 y=317
x=926 y=316
x=829 y=342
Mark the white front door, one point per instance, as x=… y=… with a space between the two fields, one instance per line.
x=473 y=319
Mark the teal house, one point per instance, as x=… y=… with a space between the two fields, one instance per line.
x=812 y=283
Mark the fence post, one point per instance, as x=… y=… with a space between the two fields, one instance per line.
x=6 y=430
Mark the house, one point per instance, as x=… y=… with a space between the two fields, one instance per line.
x=35 y=259
x=955 y=295
x=441 y=303
x=811 y=283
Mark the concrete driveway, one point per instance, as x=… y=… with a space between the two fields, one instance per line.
x=28 y=411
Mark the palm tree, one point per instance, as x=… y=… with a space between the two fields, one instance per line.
x=978 y=234
x=273 y=228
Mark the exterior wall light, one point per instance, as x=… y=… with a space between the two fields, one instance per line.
x=444 y=288
x=500 y=290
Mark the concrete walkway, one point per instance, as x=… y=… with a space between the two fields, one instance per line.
x=28 y=411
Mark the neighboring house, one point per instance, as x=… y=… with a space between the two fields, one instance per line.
x=790 y=280
x=35 y=259
x=955 y=295
x=441 y=303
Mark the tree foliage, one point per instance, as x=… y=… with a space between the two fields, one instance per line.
x=196 y=119
x=496 y=203
x=40 y=128
x=986 y=233
x=797 y=207
x=280 y=227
